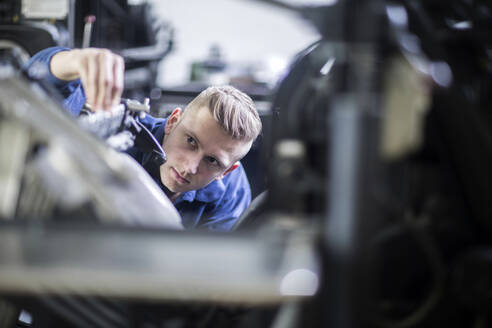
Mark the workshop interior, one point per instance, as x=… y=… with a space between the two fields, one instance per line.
x=370 y=178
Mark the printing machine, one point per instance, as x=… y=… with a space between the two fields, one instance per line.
x=376 y=212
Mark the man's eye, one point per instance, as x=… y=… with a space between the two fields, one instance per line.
x=191 y=141
x=212 y=160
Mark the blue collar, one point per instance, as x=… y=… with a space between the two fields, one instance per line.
x=159 y=131
x=210 y=193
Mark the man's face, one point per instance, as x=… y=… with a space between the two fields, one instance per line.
x=198 y=151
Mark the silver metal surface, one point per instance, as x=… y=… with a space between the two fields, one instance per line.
x=14 y=143
x=76 y=166
x=155 y=264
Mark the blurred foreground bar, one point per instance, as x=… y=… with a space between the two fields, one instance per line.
x=261 y=268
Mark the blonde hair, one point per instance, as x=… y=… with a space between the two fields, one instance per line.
x=234 y=110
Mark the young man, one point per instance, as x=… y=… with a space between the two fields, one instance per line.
x=203 y=144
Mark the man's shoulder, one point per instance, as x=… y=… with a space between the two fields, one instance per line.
x=236 y=179
x=237 y=176
x=156 y=126
x=231 y=186
x=151 y=122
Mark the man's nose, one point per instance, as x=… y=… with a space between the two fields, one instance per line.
x=192 y=164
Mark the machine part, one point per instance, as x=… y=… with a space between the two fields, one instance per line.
x=34 y=197
x=137 y=106
x=122 y=129
x=54 y=9
x=265 y=268
x=14 y=145
x=86 y=38
x=53 y=165
x=102 y=123
x=116 y=186
x=21 y=52
x=121 y=141
x=468 y=278
x=8 y=314
x=406 y=101
x=146 y=142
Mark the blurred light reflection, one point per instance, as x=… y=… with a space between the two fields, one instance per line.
x=397 y=15
x=299 y=282
x=441 y=73
x=327 y=66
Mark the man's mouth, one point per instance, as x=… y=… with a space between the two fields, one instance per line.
x=179 y=178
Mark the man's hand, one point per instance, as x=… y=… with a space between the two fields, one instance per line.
x=100 y=71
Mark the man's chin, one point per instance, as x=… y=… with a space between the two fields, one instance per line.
x=171 y=188
x=175 y=188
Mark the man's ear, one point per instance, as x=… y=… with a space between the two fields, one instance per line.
x=172 y=120
x=229 y=170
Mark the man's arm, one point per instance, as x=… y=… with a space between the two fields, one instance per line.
x=100 y=71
